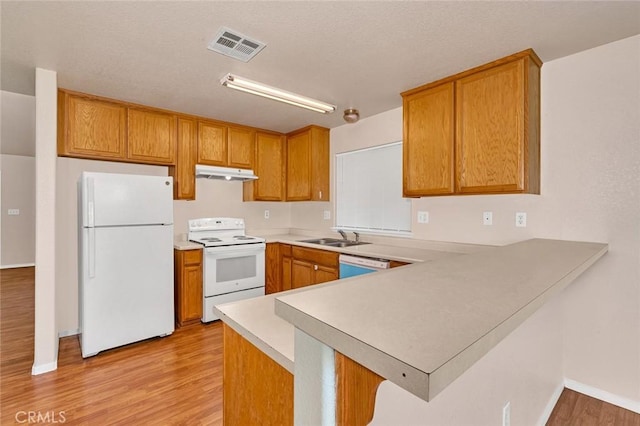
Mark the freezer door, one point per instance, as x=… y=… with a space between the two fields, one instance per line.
x=126 y=286
x=108 y=199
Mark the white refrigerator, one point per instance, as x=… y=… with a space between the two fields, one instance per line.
x=125 y=259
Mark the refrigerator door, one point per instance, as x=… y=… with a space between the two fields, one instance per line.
x=109 y=199
x=126 y=286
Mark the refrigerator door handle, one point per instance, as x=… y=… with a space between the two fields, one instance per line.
x=90 y=203
x=92 y=252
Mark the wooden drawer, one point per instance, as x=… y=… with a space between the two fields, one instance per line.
x=192 y=257
x=322 y=257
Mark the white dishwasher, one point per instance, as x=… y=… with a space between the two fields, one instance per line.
x=350 y=266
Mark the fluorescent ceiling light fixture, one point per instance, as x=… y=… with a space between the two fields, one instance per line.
x=255 y=88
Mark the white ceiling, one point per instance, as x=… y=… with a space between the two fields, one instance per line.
x=353 y=54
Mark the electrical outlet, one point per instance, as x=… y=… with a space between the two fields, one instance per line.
x=326 y=215
x=423 y=217
x=266 y=214
x=487 y=218
x=13 y=212
x=506 y=414
x=521 y=219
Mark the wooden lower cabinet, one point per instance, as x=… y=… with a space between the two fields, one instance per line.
x=256 y=389
x=273 y=267
x=285 y=273
x=188 y=286
x=259 y=391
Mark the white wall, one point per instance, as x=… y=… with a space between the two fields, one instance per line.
x=18 y=233
x=220 y=198
x=590 y=156
x=591 y=104
x=17 y=162
x=18 y=124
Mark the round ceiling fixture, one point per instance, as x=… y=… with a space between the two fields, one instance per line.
x=351 y=115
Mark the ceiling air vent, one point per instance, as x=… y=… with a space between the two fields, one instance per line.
x=235 y=45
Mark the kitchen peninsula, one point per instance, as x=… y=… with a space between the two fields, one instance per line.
x=420 y=326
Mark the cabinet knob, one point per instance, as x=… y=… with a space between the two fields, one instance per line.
x=315 y=267
x=320 y=195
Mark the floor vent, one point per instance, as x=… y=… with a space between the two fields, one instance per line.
x=235 y=45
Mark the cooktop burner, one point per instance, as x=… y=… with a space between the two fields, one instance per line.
x=220 y=232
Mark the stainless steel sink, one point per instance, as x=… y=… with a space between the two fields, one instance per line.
x=333 y=242
x=322 y=241
x=346 y=243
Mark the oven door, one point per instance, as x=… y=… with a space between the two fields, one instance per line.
x=233 y=268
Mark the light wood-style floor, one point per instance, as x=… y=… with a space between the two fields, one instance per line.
x=176 y=380
x=576 y=409
x=171 y=380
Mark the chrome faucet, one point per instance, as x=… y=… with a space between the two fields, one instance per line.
x=341 y=232
x=357 y=236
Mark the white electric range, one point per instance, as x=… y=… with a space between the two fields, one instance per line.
x=233 y=267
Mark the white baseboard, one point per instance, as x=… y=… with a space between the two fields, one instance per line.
x=17 y=265
x=67 y=333
x=605 y=396
x=544 y=417
x=44 y=368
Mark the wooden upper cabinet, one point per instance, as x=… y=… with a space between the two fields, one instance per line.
x=428 y=149
x=477 y=132
x=307 y=172
x=184 y=183
x=151 y=136
x=212 y=143
x=269 y=163
x=492 y=135
x=241 y=147
x=89 y=127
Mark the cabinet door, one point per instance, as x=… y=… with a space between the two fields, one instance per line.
x=270 y=162
x=212 y=144
x=299 y=167
x=241 y=147
x=322 y=274
x=91 y=128
x=286 y=273
x=151 y=136
x=272 y=269
x=428 y=159
x=184 y=180
x=490 y=130
x=188 y=286
x=319 y=163
x=302 y=274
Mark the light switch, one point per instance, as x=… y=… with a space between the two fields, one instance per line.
x=13 y=212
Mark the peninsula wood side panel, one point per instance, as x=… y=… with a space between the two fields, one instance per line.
x=356 y=388
x=256 y=389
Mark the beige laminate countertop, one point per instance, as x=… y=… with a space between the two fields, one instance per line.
x=422 y=326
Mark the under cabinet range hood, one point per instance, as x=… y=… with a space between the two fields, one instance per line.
x=224 y=173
